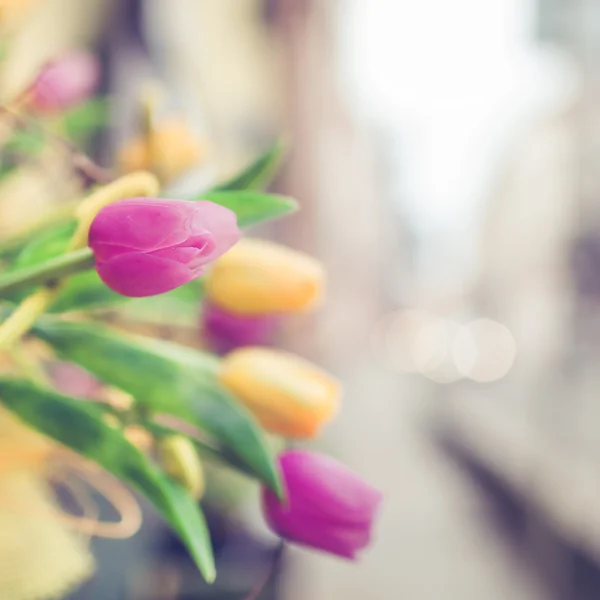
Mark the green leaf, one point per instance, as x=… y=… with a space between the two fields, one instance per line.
x=78 y=425
x=258 y=173
x=46 y=245
x=7 y=167
x=28 y=142
x=177 y=308
x=23 y=144
x=168 y=379
x=84 y=291
x=82 y=122
x=251 y=207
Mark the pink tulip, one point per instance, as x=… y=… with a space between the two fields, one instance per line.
x=148 y=246
x=327 y=506
x=65 y=82
x=225 y=331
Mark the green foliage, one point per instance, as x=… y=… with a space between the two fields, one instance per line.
x=79 y=425
x=81 y=123
x=258 y=174
x=252 y=208
x=167 y=378
x=23 y=143
x=85 y=291
x=27 y=142
x=46 y=245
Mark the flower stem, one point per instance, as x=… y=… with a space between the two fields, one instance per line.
x=23 y=317
x=28 y=365
x=48 y=271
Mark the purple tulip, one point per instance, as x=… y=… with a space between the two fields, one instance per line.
x=65 y=82
x=327 y=507
x=148 y=246
x=226 y=331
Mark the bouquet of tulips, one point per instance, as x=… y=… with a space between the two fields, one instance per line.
x=155 y=411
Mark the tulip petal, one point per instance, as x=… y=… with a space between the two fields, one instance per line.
x=66 y=82
x=220 y=222
x=138 y=275
x=144 y=224
x=260 y=277
x=333 y=488
x=176 y=235
x=289 y=395
x=327 y=506
x=340 y=539
x=227 y=331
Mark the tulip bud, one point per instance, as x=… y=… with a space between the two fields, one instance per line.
x=327 y=506
x=226 y=331
x=148 y=246
x=288 y=395
x=259 y=277
x=180 y=460
x=172 y=150
x=65 y=82
x=12 y=10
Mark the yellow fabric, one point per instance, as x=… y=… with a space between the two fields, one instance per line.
x=40 y=557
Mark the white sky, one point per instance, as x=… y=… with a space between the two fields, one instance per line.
x=454 y=79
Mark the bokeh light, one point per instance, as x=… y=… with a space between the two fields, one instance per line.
x=484 y=350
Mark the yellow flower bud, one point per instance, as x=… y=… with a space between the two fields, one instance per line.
x=180 y=460
x=175 y=149
x=288 y=395
x=259 y=277
x=11 y=10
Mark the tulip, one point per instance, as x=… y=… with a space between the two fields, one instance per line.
x=172 y=150
x=226 y=331
x=288 y=395
x=327 y=506
x=180 y=460
x=65 y=82
x=259 y=277
x=14 y=10
x=148 y=246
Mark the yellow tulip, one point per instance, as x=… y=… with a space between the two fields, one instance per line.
x=173 y=150
x=181 y=461
x=11 y=10
x=288 y=395
x=259 y=277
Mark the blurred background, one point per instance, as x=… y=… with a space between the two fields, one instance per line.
x=445 y=155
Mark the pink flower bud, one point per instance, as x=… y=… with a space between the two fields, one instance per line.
x=327 y=506
x=148 y=246
x=225 y=331
x=65 y=82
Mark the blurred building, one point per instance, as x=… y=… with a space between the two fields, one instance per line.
x=537 y=430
